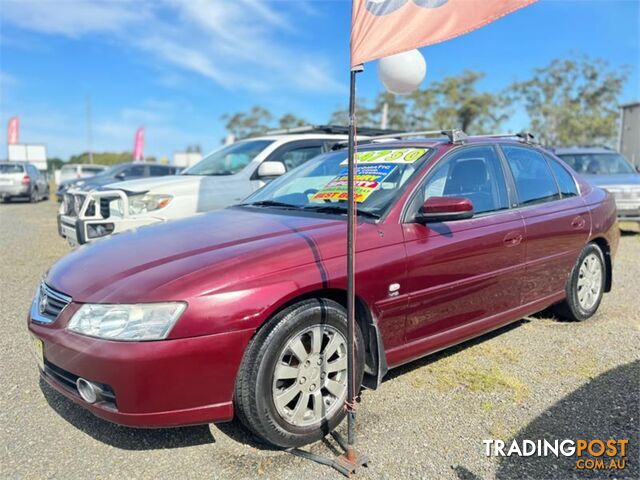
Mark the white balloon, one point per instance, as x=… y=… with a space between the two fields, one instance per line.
x=402 y=73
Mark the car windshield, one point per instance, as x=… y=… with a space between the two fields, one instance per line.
x=320 y=185
x=11 y=168
x=228 y=160
x=598 y=163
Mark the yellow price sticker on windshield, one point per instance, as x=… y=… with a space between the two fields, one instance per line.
x=396 y=155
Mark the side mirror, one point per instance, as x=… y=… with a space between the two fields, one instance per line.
x=271 y=169
x=442 y=209
x=121 y=176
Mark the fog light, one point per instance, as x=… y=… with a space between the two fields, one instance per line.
x=89 y=391
x=96 y=230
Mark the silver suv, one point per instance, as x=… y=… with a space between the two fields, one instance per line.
x=607 y=169
x=22 y=180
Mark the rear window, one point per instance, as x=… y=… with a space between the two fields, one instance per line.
x=565 y=180
x=9 y=168
x=92 y=169
x=534 y=181
x=68 y=169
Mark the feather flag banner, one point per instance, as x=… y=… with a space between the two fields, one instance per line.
x=380 y=28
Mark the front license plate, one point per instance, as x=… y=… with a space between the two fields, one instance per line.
x=38 y=351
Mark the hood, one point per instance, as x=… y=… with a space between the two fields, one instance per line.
x=610 y=180
x=167 y=182
x=186 y=258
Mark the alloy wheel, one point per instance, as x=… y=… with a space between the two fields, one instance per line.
x=310 y=376
x=589 y=281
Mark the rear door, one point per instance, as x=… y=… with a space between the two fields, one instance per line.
x=556 y=220
x=462 y=271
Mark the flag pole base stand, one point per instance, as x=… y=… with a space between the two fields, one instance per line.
x=346 y=464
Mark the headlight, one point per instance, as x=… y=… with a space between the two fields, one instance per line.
x=148 y=203
x=137 y=322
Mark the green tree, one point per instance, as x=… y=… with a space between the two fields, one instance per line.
x=248 y=124
x=397 y=109
x=363 y=114
x=102 y=158
x=289 y=120
x=54 y=164
x=572 y=101
x=456 y=102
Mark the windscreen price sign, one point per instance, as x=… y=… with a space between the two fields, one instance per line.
x=366 y=180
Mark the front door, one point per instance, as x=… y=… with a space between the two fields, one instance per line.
x=464 y=270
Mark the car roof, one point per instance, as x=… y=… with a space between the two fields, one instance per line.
x=582 y=150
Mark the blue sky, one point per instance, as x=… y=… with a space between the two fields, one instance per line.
x=176 y=66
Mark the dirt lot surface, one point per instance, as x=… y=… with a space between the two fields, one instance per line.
x=536 y=379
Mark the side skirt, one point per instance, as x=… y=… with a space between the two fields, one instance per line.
x=432 y=344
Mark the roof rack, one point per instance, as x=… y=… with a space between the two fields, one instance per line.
x=331 y=129
x=526 y=137
x=455 y=136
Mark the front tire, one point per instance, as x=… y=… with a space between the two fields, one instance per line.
x=292 y=383
x=585 y=287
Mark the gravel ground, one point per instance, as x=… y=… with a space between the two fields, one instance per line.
x=537 y=378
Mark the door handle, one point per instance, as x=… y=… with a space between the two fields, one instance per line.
x=512 y=239
x=578 y=222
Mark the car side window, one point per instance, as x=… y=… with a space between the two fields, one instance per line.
x=134 y=171
x=297 y=156
x=157 y=171
x=565 y=180
x=534 y=181
x=474 y=173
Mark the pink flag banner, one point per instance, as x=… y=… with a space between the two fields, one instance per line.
x=138 y=145
x=380 y=28
x=13 y=131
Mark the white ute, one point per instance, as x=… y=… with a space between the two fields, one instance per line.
x=222 y=178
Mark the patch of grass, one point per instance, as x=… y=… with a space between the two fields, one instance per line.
x=487 y=407
x=498 y=353
x=479 y=379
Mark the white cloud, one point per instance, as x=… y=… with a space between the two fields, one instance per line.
x=238 y=44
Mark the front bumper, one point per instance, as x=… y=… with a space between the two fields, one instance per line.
x=80 y=225
x=155 y=384
x=628 y=210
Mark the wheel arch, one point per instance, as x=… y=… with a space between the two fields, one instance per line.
x=608 y=264
x=375 y=358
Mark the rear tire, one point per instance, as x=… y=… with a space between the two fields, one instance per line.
x=292 y=383
x=585 y=286
x=33 y=196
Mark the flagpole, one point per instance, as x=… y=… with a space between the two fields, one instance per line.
x=352 y=388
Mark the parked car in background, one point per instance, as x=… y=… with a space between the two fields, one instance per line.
x=22 y=180
x=608 y=169
x=222 y=178
x=75 y=171
x=243 y=310
x=117 y=173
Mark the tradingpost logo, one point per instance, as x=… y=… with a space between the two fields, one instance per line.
x=590 y=454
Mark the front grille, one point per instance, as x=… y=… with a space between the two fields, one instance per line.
x=68 y=381
x=50 y=302
x=105 y=207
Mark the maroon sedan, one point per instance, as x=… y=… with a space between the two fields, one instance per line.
x=242 y=311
